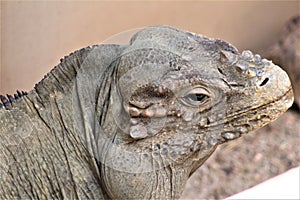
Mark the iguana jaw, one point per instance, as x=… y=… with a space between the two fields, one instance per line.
x=254 y=118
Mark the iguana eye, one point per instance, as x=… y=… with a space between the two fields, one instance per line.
x=196 y=97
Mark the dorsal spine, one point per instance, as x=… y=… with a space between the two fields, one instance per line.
x=8 y=100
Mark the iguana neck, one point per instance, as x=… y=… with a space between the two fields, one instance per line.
x=59 y=79
x=72 y=96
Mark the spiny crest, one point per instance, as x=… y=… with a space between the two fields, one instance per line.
x=8 y=100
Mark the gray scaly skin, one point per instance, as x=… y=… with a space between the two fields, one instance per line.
x=134 y=121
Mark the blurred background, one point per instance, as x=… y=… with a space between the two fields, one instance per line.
x=35 y=35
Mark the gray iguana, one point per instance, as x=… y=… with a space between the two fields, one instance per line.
x=134 y=121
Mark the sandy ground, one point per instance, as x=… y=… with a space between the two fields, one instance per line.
x=249 y=160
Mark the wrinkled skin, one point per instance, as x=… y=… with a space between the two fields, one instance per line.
x=135 y=121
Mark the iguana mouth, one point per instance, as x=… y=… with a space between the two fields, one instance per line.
x=289 y=93
x=249 y=120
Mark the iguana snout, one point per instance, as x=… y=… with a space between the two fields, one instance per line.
x=259 y=92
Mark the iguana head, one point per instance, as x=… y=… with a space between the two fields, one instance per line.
x=176 y=96
x=198 y=83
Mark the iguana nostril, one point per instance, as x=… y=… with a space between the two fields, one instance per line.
x=265 y=81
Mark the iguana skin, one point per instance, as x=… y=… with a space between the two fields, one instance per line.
x=134 y=121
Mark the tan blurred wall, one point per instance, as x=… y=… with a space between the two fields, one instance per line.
x=35 y=35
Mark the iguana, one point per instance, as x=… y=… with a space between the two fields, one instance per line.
x=134 y=121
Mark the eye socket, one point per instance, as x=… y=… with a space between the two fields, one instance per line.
x=196 y=97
